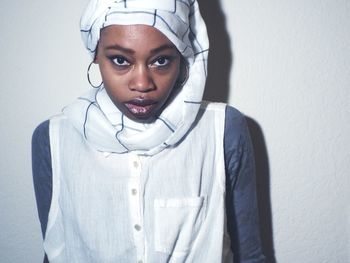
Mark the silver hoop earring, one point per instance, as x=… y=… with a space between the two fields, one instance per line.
x=88 y=77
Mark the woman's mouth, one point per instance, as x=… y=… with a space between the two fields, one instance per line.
x=140 y=108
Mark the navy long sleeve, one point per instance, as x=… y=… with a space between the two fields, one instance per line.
x=42 y=173
x=241 y=203
x=241 y=200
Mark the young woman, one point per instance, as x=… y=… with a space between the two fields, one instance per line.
x=140 y=169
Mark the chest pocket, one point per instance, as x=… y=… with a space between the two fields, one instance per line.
x=177 y=223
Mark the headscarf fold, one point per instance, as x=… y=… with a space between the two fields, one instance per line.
x=94 y=114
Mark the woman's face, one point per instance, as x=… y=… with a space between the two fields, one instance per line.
x=139 y=67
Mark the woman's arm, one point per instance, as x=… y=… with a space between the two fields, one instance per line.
x=241 y=200
x=42 y=173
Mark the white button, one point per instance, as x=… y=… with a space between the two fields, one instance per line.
x=136 y=164
x=133 y=191
x=137 y=227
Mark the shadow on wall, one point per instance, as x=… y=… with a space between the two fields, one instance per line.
x=220 y=57
x=263 y=189
x=217 y=89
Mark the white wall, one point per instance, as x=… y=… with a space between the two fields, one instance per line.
x=43 y=67
x=290 y=73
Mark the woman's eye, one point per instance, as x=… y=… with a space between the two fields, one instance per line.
x=160 y=62
x=121 y=61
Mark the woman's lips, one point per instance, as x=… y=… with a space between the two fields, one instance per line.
x=140 y=107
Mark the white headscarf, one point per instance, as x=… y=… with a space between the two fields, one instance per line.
x=94 y=114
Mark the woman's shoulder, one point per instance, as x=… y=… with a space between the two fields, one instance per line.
x=40 y=135
x=41 y=129
x=234 y=115
x=236 y=129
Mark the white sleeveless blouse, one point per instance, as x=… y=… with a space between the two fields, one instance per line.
x=169 y=207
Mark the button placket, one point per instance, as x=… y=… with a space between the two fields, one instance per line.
x=135 y=204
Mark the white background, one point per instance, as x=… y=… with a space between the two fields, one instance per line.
x=285 y=64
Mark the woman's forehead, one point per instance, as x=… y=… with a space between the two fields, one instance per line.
x=131 y=35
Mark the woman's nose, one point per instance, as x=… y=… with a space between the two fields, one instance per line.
x=141 y=80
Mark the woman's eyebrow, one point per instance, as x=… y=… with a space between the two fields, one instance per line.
x=120 y=48
x=131 y=51
x=162 y=47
